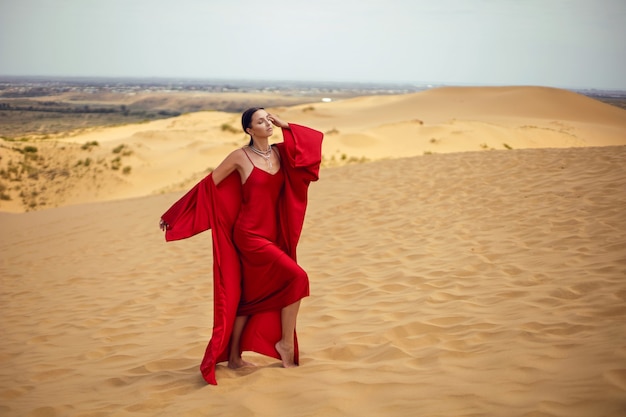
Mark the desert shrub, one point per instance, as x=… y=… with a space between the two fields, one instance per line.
x=3 y=195
x=89 y=145
x=355 y=160
x=507 y=146
x=116 y=163
x=126 y=170
x=227 y=127
x=13 y=171
x=123 y=150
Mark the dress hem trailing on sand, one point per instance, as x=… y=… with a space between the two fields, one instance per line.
x=207 y=206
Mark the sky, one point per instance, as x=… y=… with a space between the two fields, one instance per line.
x=558 y=43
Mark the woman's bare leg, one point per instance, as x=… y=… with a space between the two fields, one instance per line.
x=234 y=359
x=285 y=345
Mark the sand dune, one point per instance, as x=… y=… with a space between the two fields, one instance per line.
x=486 y=283
x=464 y=119
x=172 y=154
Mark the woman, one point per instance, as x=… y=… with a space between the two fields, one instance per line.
x=254 y=202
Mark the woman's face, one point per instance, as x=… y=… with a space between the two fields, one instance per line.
x=260 y=126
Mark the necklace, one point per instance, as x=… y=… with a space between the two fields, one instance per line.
x=264 y=154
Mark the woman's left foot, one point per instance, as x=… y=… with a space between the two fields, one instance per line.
x=286 y=355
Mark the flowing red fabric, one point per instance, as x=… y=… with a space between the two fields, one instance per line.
x=207 y=206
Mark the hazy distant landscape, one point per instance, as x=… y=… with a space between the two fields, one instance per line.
x=56 y=142
x=50 y=106
x=43 y=107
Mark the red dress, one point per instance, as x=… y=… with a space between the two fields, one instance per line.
x=271 y=279
x=271 y=238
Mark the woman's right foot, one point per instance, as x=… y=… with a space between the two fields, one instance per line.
x=239 y=363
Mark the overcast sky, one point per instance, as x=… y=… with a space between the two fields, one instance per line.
x=560 y=43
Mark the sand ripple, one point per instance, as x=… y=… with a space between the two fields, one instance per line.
x=465 y=284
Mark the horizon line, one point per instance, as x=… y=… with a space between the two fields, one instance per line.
x=414 y=84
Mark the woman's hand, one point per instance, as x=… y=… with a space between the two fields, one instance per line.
x=277 y=121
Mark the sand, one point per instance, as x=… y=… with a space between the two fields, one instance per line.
x=172 y=154
x=484 y=283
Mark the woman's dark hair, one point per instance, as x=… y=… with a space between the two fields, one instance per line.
x=246 y=119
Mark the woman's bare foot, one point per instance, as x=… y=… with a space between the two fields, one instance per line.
x=286 y=355
x=237 y=363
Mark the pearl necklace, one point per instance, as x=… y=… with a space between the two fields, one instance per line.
x=264 y=154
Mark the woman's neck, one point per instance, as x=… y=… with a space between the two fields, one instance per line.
x=261 y=144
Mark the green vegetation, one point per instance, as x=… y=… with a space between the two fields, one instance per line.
x=84 y=163
x=123 y=150
x=88 y=145
x=227 y=127
x=342 y=159
x=32 y=175
x=3 y=195
x=25 y=150
x=116 y=163
x=23 y=116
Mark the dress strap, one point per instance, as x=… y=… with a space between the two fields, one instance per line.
x=244 y=151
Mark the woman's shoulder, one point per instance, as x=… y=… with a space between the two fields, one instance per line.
x=237 y=154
